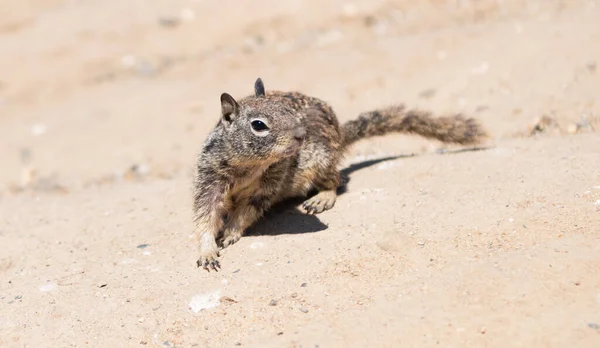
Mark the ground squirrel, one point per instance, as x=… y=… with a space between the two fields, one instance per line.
x=275 y=145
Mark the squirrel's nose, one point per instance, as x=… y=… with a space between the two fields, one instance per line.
x=300 y=133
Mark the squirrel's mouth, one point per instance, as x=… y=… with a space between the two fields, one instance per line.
x=293 y=149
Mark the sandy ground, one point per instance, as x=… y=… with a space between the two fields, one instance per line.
x=105 y=103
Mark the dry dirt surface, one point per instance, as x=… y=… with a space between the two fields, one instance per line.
x=104 y=105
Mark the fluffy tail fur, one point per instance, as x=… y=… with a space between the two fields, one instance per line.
x=452 y=129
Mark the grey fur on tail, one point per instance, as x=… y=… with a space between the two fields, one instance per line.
x=396 y=119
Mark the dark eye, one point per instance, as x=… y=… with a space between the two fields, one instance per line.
x=259 y=126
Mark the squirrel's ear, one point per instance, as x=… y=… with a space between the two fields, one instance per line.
x=229 y=107
x=259 y=88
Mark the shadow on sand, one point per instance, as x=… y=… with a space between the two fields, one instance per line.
x=287 y=218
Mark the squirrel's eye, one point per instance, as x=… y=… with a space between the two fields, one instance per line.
x=259 y=126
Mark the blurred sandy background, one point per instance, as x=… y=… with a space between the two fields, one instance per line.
x=104 y=105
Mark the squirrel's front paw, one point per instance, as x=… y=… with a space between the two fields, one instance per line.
x=322 y=201
x=209 y=259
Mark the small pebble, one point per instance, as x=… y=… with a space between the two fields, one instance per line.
x=303 y=310
x=168 y=22
x=273 y=303
x=128 y=61
x=593 y=326
x=143 y=343
x=102 y=285
x=38 y=129
x=188 y=14
x=481 y=68
x=428 y=93
x=294 y=295
x=142 y=246
x=303 y=285
x=48 y=287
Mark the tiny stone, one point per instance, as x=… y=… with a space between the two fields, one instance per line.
x=370 y=21
x=428 y=93
x=577 y=283
x=294 y=295
x=303 y=285
x=102 y=285
x=280 y=333
x=593 y=326
x=238 y=343
x=18 y=297
x=237 y=270
x=303 y=310
x=168 y=22
x=273 y=303
x=142 y=246
x=143 y=343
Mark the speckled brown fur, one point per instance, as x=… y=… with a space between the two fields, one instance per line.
x=276 y=145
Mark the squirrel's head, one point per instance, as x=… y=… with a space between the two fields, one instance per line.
x=260 y=130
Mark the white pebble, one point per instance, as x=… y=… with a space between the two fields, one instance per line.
x=205 y=301
x=481 y=68
x=511 y=220
x=257 y=245
x=386 y=165
x=597 y=202
x=147 y=253
x=38 y=129
x=48 y=287
x=128 y=61
x=350 y=10
x=188 y=14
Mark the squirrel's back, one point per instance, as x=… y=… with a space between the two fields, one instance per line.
x=321 y=119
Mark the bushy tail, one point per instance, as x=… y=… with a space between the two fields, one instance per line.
x=452 y=129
